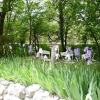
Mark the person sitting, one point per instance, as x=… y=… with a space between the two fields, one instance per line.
x=87 y=56
x=37 y=55
x=68 y=54
x=45 y=57
x=85 y=49
x=77 y=53
x=89 y=52
x=40 y=53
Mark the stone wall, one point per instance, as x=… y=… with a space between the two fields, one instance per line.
x=16 y=91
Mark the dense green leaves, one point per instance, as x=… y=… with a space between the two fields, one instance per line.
x=67 y=21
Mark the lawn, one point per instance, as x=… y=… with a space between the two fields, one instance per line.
x=66 y=80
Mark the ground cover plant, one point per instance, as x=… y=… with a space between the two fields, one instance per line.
x=74 y=81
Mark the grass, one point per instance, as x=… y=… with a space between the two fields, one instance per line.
x=65 y=80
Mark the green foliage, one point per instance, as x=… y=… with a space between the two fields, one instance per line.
x=45 y=46
x=79 y=17
x=66 y=80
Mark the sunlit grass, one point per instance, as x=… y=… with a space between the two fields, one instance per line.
x=65 y=80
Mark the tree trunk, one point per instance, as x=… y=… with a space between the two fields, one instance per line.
x=36 y=41
x=2 y=17
x=9 y=27
x=30 y=37
x=61 y=24
x=96 y=41
x=66 y=32
x=30 y=21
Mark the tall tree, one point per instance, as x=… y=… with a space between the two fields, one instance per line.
x=29 y=10
x=61 y=22
x=89 y=12
x=7 y=5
